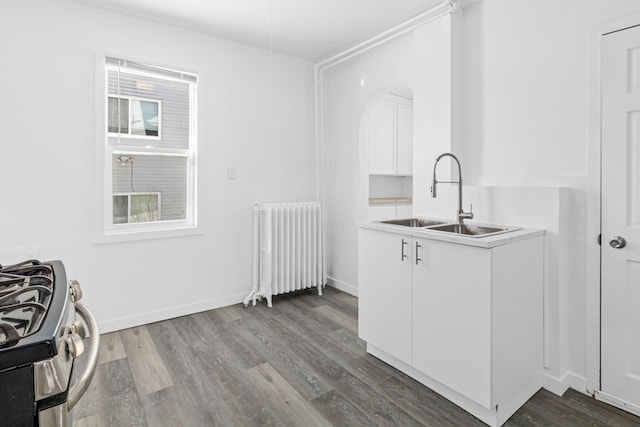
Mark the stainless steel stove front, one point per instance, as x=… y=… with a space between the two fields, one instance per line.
x=52 y=375
x=43 y=325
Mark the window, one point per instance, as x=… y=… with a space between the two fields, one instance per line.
x=139 y=118
x=150 y=148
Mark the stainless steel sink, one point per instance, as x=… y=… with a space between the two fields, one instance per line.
x=413 y=222
x=472 y=230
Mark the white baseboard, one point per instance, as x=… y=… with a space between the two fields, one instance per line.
x=559 y=386
x=618 y=403
x=343 y=286
x=169 y=313
x=492 y=416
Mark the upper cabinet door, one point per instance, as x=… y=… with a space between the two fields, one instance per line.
x=382 y=148
x=404 y=139
x=391 y=137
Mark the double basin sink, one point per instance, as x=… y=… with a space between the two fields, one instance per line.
x=469 y=230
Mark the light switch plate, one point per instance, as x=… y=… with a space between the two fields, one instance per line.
x=232 y=172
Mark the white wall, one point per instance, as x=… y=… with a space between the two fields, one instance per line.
x=347 y=89
x=255 y=113
x=526 y=86
x=520 y=128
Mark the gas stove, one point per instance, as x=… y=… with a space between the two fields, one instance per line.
x=40 y=337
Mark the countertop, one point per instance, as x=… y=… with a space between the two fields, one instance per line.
x=375 y=201
x=522 y=233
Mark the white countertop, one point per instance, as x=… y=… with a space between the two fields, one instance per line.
x=375 y=201
x=491 y=241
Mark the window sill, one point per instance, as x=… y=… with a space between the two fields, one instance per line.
x=120 y=235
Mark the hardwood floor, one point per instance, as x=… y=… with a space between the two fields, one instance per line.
x=298 y=364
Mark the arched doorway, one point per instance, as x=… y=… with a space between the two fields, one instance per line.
x=386 y=155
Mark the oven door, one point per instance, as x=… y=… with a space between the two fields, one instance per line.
x=58 y=416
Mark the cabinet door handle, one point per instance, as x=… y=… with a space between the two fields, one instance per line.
x=418 y=246
x=404 y=242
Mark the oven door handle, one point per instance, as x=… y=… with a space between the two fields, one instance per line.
x=80 y=387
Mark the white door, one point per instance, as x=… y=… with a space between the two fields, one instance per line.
x=620 y=280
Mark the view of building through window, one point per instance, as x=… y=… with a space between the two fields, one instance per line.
x=137 y=116
x=150 y=143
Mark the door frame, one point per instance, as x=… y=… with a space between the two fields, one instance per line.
x=594 y=217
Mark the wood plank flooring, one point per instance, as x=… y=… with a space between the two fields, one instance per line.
x=299 y=363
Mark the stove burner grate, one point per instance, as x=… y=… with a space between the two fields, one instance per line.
x=25 y=294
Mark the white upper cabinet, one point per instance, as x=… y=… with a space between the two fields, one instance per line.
x=391 y=137
x=382 y=153
x=404 y=139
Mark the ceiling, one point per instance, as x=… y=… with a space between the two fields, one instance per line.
x=308 y=29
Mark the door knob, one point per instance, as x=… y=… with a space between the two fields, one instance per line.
x=617 y=242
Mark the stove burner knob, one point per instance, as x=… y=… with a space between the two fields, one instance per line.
x=79 y=328
x=75 y=345
x=76 y=291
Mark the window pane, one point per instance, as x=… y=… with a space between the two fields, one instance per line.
x=120 y=209
x=149 y=173
x=168 y=117
x=144 y=117
x=113 y=115
x=145 y=208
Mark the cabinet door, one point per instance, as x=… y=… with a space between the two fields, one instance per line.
x=452 y=320
x=382 y=145
x=384 y=288
x=404 y=164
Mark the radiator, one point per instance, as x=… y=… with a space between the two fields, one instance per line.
x=288 y=252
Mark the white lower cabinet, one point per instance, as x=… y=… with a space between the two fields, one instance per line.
x=452 y=318
x=384 y=306
x=466 y=321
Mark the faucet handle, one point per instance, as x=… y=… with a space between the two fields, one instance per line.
x=466 y=215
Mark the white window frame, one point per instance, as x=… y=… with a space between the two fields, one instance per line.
x=129 y=134
x=105 y=230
